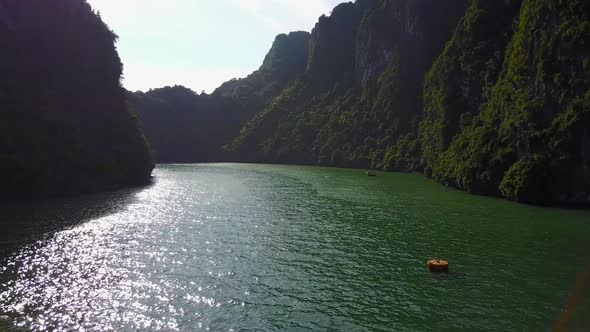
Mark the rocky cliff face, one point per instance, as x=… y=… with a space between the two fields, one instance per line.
x=460 y=80
x=66 y=127
x=332 y=46
x=529 y=141
x=367 y=64
x=287 y=58
x=418 y=29
x=285 y=61
x=489 y=96
x=404 y=38
x=499 y=110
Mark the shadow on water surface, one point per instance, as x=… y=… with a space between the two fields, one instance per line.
x=26 y=222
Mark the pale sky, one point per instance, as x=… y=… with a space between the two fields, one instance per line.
x=200 y=43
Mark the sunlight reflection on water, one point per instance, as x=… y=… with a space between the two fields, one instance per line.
x=230 y=247
x=110 y=273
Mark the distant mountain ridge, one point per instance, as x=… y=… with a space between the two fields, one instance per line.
x=186 y=127
x=492 y=97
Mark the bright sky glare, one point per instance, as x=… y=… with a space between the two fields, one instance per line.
x=200 y=43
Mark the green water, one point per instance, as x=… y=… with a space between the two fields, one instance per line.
x=258 y=247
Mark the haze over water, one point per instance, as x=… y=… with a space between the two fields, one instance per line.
x=238 y=247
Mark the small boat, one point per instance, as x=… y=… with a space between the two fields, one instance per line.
x=371 y=173
x=438 y=265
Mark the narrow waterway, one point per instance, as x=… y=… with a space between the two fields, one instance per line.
x=237 y=247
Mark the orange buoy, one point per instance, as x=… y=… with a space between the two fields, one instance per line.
x=438 y=265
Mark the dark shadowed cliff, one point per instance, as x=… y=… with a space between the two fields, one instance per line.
x=66 y=127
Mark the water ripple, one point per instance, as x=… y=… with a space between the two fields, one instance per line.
x=251 y=247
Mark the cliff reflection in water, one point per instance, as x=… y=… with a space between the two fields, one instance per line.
x=27 y=222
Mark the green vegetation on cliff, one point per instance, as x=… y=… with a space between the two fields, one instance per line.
x=460 y=79
x=531 y=141
x=359 y=102
x=186 y=127
x=66 y=127
x=488 y=96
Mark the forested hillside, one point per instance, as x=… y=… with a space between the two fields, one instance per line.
x=489 y=96
x=66 y=127
x=360 y=102
x=186 y=127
